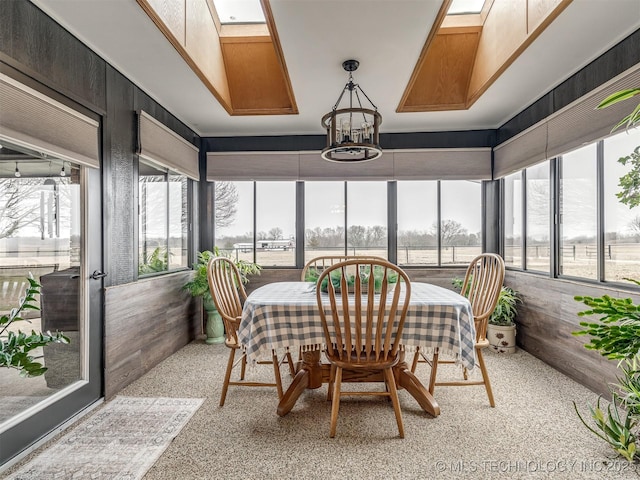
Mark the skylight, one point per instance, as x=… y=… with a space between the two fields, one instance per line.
x=239 y=11
x=464 y=7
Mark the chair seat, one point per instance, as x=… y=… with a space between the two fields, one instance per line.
x=482 y=343
x=365 y=362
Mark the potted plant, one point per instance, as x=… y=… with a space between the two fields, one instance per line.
x=16 y=347
x=313 y=275
x=501 y=326
x=198 y=286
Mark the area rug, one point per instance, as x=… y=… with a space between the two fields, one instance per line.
x=120 y=441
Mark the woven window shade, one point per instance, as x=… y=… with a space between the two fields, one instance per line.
x=443 y=164
x=253 y=166
x=165 y=148
x=521 y=151
x=449 y=164
x=31 y=119
x=576 y=124
x=580 y=122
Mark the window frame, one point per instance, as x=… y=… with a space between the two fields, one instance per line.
x=190 y=202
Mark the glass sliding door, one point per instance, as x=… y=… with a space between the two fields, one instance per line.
x=44 y=233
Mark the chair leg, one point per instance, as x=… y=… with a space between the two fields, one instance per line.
x=243 y=368
x=276 y=370
x=335 y=404
x=434 y=371
x=292 y=368
x=332 y=376
x=393 y=393
x=227 y=376
x=416 y=357
x=485 y=377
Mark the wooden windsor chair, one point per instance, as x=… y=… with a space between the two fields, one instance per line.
x=363 y=329
x=482 y=285
x=228 y=294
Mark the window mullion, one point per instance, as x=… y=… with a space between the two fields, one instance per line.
x=600 y=212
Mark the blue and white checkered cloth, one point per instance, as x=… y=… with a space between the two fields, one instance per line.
x=285 y=314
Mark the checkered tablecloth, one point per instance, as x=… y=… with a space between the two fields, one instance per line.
x=285 y=314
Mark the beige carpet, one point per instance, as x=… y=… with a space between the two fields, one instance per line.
x=121 y=441
x=533 y=432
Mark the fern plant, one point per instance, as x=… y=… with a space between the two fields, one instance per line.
x=16 y=347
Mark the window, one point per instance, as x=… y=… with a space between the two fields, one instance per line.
x=324 y=206
x=163 y=220
x=622 y=224
x=597 y=234
x=367 y=218
x=418 y=233
x=513 y=220
x=538 y=216
x=272 y=217
x=460 y=221
x=233 y=11
x=234 y=218
x=349 y=218
x=578 y=214
x=276 y=223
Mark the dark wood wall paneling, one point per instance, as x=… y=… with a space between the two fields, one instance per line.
x=40 y=48
x=119 y=199
x=145 y=323
x=458 y=139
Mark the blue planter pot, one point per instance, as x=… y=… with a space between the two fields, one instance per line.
x=214 y=326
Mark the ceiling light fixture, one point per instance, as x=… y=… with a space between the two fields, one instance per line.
x=17 y=172
x=352 y=132
x=63 y=173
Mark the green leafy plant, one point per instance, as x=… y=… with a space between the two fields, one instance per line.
x=627 y=389
x=313 y=275
x=198 y=286
x=16 y=347
x=630 y=120
x=156 y=261
x=507 y=307
x=617 y=333
x=630 y=182
x=617 y=337
x=614 y=430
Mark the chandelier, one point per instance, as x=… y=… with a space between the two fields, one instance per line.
x=353 y=132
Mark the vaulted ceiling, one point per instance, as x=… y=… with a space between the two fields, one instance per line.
x=424 y=70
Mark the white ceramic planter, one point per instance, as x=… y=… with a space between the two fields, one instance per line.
x=502 y=339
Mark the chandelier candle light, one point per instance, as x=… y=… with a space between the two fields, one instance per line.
x=353 y=132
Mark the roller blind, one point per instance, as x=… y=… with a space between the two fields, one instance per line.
x=31 y=119
x=576 y=124
x=165 y=148
x=431 y=164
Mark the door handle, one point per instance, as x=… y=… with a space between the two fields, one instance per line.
x=97 y=274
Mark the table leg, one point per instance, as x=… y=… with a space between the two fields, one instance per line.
x=309 y=376
x=414 y=387
x=298 y=385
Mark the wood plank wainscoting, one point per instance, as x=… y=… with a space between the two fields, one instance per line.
x=547 y=318
x=146 y=322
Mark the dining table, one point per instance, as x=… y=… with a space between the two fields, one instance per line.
x=285 y=315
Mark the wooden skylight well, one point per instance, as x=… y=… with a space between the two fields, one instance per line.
x=233 y=47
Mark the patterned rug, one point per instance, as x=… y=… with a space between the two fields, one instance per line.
x=120 y=441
